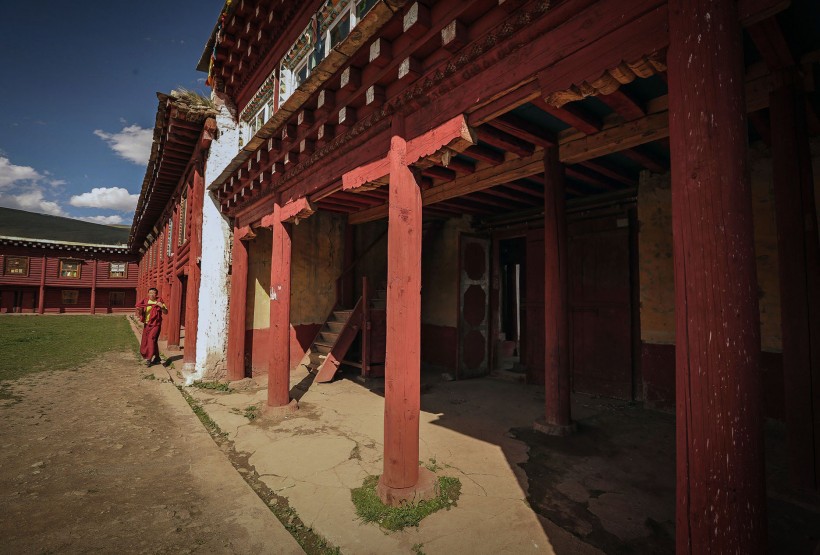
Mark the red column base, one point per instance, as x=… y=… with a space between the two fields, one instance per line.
x=541 y=425
x=426 y=488
x=292 y=406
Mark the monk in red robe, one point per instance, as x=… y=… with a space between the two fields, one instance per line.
x=150 y=313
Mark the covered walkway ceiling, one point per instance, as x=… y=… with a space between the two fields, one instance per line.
x=607 y=130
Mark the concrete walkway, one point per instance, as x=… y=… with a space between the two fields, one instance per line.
x=317 y=455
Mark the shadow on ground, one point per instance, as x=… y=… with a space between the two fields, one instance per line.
x=612 y=483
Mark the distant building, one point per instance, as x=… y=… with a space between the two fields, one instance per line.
x=50 y=264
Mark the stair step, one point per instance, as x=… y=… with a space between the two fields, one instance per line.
x=341 y=315
x=335 y=327
x=328 y=337
x=322 y=348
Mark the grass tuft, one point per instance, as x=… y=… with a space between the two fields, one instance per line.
x=214 y=386
x=206 y=420
x=252 y=412
x=371 y=509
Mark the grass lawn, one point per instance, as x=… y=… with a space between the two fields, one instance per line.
x=36 y=343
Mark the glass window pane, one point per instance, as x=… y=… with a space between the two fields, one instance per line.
x=340 y=30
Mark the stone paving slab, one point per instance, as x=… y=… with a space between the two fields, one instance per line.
x=318 y=454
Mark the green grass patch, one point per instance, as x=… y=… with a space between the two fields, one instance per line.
x=371 y=509
x=36 y=343
x=252 y=412
x=200 y=413
x=213 y=386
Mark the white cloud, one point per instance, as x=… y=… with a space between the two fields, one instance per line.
x=113 y=198
x=132 y=143
x=32 y=201
x=107 y=220
x=9 y=173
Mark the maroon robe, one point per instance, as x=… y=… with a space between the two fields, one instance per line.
x=151 y=314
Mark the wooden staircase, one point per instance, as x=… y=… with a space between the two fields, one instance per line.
x=328 y=349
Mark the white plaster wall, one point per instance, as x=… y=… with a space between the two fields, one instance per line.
x=212 y=333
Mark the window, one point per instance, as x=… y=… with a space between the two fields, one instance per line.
x=16 y=266
x=70 y=296
x=116 y=298
x=118 y=269
x=70 y=269
x=169 y=243
x=183 y=207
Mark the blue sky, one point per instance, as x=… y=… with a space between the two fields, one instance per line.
x=78 y=91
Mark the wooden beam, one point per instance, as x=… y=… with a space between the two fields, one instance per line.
x=623 y=104
x=523 y=129
x=609 y=171
x=499 y=192
x=478 y=181
x=454 y=134
x=752 y=11
x=484 y=154
x=771 y=44
x=586 y=177
x=572 y=115
x=505 y=141
x=628 y=135
x=439 y=173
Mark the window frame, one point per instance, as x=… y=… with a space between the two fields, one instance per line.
x=183 y=219
x=7 y=271
x=111 y=270
x=61 y=269
x=75 y=293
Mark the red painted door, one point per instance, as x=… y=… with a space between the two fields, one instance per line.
x=600 y=307
x=474 y=306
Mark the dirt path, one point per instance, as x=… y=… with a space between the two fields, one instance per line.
x=102 y=460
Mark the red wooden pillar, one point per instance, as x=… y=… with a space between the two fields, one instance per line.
x=798 y=253
x=236 y=308
x=41 y=302
x=279 y=365
x=174 y=309
x=197 y=198
x=721 y=504
x=174 y=300
x=94 y=286
x=402 y=478
x=556 y=301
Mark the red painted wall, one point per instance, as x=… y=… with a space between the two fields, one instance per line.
x=258 y=352
x=658 y=371
x=29 y=284
x=439 y=345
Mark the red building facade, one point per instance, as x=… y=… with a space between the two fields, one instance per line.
x=167 y=225
x=488 y=163
x=47 y=277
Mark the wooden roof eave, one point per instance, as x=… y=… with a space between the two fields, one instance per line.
x=325 y=71
x=158 y=183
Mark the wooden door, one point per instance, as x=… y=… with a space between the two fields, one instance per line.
x=600 y=306
x=473 y=306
